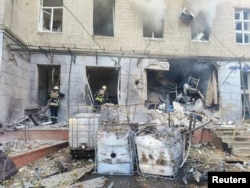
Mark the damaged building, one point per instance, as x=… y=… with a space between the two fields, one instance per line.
x=170 y=68
x=149 y=54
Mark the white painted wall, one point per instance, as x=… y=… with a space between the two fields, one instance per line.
x=230 y=91
x=14 y=83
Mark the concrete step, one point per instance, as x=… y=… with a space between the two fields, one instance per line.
x=232 y=128
x=237 y=138
x=244 y=152
x=228 y=133
x=241 y=138
x=241 y=130
x=237 y=144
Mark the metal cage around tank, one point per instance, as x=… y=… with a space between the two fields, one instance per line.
x=82 y=131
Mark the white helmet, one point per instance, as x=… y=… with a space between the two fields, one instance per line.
x=56 y=88
x=104 y=87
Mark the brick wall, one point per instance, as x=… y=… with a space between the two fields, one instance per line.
x=52 y=134
x=128 y=29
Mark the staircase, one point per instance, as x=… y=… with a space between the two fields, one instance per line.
x=236 y=139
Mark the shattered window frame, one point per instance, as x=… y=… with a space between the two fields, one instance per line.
x=149 y=32
x=242 y=26
x=51 y=10
x=103 y=17
x=199 y=29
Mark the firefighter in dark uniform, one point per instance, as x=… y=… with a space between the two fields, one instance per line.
x=54 y=103
x=100 y=97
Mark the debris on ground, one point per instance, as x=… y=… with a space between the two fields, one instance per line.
x=159 y=138
x=202 y=158
x=66 y=178
x=95 y=182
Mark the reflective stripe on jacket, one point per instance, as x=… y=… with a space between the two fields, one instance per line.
x=54 y=99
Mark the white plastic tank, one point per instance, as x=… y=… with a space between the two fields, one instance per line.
x=82 y=130
x=158 y=154
x=114 y=151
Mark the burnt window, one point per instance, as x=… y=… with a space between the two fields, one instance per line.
x=104 y=17
x=242 y=26
x=51 y=16
x=200 y=28
x=152 y=31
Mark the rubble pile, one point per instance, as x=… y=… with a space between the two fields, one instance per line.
x=202 y=159
x=48 y=171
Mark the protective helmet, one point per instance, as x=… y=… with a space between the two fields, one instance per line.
x=56 y=88
x=104 y=87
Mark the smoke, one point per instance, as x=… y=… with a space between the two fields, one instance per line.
x=152 y=12
x=205 y=13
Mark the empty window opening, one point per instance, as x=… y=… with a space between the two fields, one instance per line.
x=48 y=77
x=242 y=25
x=151 y=31
x=51 y=16
x=99 y=76
x=200 y=30
x=185 y=82
x=104 y=17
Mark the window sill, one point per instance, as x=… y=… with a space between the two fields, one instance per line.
x=153 y=39
x=48 y=32
x=201 y=41
x=243 y=44
x=103 y=36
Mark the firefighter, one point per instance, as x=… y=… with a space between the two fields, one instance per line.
x=100 y=97
x=54 y=103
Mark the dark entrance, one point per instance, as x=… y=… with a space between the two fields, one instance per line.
x=48 y=77
x=99 y=76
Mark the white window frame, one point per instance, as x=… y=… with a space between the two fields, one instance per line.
x=50 y=12
x=240 y=26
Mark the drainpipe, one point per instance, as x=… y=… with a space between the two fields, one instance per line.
x=128 y=91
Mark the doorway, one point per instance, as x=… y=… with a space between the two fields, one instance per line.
x=99 y=76
x=48 y=77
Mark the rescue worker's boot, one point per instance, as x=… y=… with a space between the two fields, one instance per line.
x=53 y=120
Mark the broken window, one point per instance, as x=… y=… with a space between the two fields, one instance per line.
x=104 y=17
x=187 y=82
x=242 y=25
x=51 y=16
x=199 y=28
x=152 y=31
